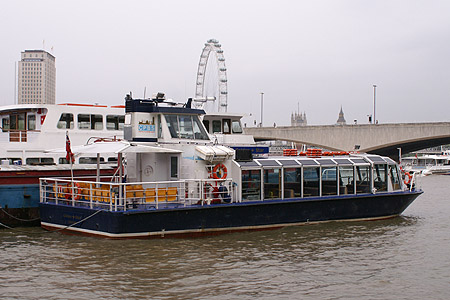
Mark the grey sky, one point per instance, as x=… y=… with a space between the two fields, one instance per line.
x=315 y=54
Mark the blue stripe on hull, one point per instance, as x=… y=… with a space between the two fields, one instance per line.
x=256 y=215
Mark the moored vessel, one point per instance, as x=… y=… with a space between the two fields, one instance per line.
x=178 y=182
x=29 y=129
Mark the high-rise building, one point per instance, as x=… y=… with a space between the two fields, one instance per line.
x=37 y=78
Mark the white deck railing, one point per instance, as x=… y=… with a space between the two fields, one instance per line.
x=136 y=195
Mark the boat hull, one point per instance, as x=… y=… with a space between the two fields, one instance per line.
x=222 y=218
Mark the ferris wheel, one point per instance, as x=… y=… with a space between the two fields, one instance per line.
x=211 y=100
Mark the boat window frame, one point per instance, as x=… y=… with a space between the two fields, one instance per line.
x=67 y=121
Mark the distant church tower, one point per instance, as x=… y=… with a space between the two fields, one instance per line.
x=341 y=119
x=298 y=119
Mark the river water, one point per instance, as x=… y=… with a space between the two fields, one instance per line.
x=407 y=257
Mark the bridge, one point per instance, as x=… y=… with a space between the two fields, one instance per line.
x=382 y=139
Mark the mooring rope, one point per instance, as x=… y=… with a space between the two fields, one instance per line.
x=51 y=231
x=19 y=219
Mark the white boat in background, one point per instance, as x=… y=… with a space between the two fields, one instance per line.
x=427 y=164
x=226 y=129
x=29 y=129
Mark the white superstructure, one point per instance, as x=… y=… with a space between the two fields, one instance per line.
x=29 y=129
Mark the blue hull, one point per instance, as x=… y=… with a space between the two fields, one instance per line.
x=19 y=205
x=222 y=218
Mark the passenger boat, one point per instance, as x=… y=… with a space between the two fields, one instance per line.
x=177 y=182
x=427 y=164
x=27 y=130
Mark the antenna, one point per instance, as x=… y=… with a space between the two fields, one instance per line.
x=15 y=82
x=145 y=90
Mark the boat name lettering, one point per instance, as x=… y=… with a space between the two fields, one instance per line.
x=150 y=128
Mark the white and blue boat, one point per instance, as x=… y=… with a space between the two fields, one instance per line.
x=175 y=181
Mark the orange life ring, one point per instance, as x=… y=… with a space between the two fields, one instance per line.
x=221 y=169
x=408 y=181
x=76 y=191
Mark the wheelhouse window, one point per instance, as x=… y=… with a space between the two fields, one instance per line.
x=251 y=184
x=226 y=126
x=186 y=127
x=93 y=122
x=65 y=121
x=115 y=122
x=206 y=123
x=216 y=126
x=5 y=124
x=31 y=122
x=236 y=127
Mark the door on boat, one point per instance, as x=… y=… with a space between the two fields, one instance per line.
x=17 y=127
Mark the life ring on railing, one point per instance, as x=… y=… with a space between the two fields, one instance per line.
x=408 y=181
x=76 y=191
x=221 y=169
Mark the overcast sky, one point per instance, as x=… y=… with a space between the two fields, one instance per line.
x=315 y=56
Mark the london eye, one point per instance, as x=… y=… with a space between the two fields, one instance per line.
x=211 y=85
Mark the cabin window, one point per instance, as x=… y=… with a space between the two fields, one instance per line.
x=311 y=181
x=94 y=122
x=251 y=185
x=226 y=126
x=172 y=123
x=90 y=160
x=186 y=127
x=395 y=178
x=362 y=179
x=174 y=167
x=206 y=123
x=115 y=122
x=329 y=181
x=65 y=121
x=5 y=124
x=199 y=130
x=236 y=127
x=380 y=177
x=217 y=126
x=39 y=161
x=63 y=161
x=292 y=182
x=112 y=159
x=271 y=183
x=31 y=122
x=346 y=180
x=159 y=127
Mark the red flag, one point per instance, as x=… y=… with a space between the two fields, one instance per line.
x=69 y=156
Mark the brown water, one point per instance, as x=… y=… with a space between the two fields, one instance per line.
x=402 y=258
